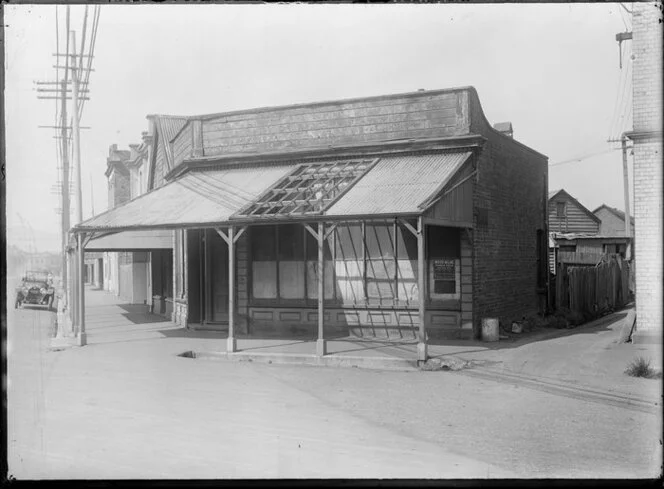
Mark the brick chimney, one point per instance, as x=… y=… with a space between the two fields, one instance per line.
x=504 y=128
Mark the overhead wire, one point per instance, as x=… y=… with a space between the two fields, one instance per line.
x=622 y=17
x=626 y=9
x=616 y=104
x=625 y=88
x=581 y=158
x=624 y=107
x=90 y=55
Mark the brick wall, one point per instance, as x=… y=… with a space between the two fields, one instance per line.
x=119 y=189
x=242 y=286
x=466 y=284
x=647 y=107
x=415 y=115
x=510 y=198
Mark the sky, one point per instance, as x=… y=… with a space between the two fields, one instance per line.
x=550 y=69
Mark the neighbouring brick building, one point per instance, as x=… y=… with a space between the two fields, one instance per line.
x=401 y=216
x=647 y=142
x=126 y=269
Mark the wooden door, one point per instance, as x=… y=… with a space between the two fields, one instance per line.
x=217 y=278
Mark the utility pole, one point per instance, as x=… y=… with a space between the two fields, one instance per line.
x=72 y=86
x=76 y=130
x=628 y=227
x=622 y=37
x=628 y=219
x=92 y=197
x=65 y=190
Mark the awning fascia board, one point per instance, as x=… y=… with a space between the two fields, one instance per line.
x=256 y=222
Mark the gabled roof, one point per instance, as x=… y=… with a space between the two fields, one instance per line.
x=616 y=212
x=555 y=193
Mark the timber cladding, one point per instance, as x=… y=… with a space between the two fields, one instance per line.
x=182 y=145
x=574 y=219
x=338 y=123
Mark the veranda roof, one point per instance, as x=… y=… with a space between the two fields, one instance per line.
x=385 y=186
x=147 y=239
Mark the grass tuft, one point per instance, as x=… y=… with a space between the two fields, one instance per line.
x=641 y=368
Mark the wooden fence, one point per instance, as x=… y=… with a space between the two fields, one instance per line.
x=592 y=289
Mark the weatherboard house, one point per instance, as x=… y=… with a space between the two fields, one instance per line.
x=403 y=216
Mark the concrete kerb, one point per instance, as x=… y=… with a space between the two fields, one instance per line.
x=330 y=360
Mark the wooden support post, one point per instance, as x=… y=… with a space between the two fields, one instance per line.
x=231 y=345
x=421 y=337
x=320 y=343
x=81 y=291
x=73 y=276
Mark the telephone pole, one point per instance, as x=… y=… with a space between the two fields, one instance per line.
x=77 y=130
x=623 y=145
x=72 y=86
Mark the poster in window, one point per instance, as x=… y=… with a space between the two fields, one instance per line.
x=443 y=269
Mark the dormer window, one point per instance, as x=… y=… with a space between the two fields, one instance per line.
x=560 y=209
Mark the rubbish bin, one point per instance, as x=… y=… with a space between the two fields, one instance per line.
x=490 y=329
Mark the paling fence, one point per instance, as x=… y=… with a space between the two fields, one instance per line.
x=592 y=289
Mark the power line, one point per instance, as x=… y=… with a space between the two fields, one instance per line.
x=581 y=158
x=619 y=113
x=624 y=106
x=626 y=9
x=622 y=80
x=622 y=17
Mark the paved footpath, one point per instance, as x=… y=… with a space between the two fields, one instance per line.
x=127 y=406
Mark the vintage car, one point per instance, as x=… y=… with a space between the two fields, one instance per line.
x=36 y=288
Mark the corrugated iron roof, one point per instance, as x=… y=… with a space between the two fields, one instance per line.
x=573 y=236
x=394 y=185
x=199 y=197
x=399 y=184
